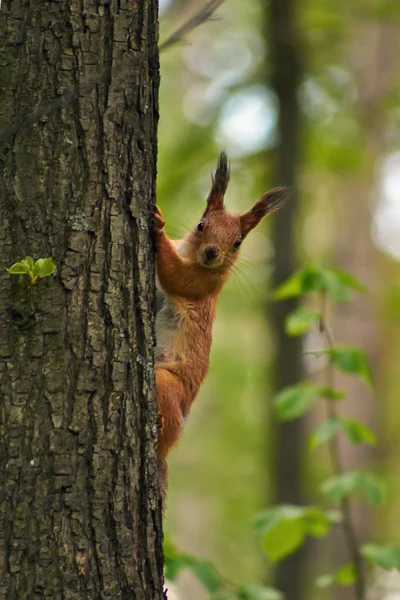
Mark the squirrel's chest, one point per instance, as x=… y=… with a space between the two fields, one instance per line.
x=169 y=324
x=183 y=331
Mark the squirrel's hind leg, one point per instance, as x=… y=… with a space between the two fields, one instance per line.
x=170 y=395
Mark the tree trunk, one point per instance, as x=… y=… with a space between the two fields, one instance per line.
x=285 y=53
x=373 y=61
x=79 y=508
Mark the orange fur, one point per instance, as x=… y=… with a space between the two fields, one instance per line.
x=190 y=275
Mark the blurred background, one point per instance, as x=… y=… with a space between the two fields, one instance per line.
x=306 y=94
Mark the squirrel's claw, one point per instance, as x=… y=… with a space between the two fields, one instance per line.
x=157 y=218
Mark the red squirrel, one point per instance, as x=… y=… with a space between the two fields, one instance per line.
x=191 y=273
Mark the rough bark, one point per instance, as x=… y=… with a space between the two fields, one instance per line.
x=79 y=504
x=285 y=54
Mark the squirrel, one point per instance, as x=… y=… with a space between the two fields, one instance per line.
x=191 y=273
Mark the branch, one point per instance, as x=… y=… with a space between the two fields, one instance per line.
x=204 y=14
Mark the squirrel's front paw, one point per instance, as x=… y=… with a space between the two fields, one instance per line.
x=158 y=219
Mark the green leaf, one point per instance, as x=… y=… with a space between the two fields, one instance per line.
x=290 y=288
x=338 y=284
x=340 y=486
x=305 y=281
x=317 y=522
x=357 y=432
x=386 y=556
x=349 y=281
x=204 y=570
x=173 y=564
x=28 y=260
x=258 y=592
x=372 y=487
x=331 y=394
x=19 y=268
x=169 y=548
x=350 y=359
x=44 y=267
x=333 y=286
x=294 y=401
x=283 y=539
x=300 y=321
x=174 y=561
x=325 y=432
x=345 y=575
x=283 y=528
x=311 y=280
x=207 y=574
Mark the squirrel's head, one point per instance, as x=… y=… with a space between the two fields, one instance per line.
x=216 y=240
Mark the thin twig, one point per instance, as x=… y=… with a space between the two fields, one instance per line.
x=202 y=16
x=347 y=523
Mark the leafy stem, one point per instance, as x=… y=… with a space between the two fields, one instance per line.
x=284 y=528
x=348 y=526
x=217 y=585
x=35 y=270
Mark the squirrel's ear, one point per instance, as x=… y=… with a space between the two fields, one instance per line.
x=220 y=180
x=269 y=203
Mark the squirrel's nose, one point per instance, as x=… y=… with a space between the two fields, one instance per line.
x=211 y=252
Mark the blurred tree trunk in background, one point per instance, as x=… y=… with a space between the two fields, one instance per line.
x=79 y=509
x=373 y=58
x=286 y=71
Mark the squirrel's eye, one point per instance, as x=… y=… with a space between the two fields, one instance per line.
x=237 y=243
x=200 y=226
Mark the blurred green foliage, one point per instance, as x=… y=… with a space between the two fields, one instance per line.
x=215 y=92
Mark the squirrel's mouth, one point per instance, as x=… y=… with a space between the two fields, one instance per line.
x=210 y=264
x=213 y=263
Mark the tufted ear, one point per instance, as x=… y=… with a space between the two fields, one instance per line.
x=269 y=203
x=220 y=180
